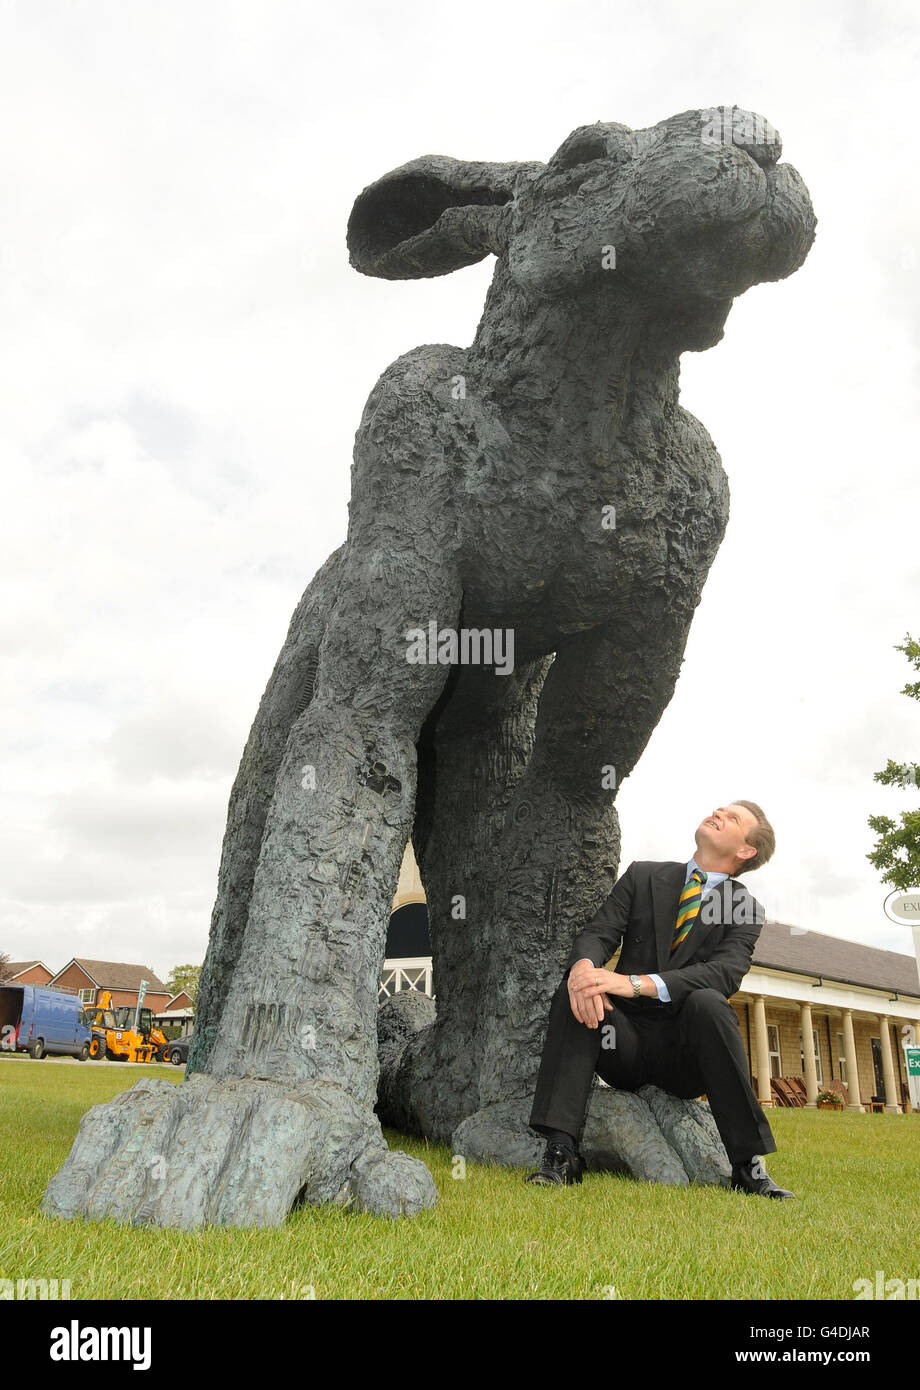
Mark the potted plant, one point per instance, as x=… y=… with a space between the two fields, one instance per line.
x=829 y=1100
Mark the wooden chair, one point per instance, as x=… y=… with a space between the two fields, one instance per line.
x=785 y=1092
x=797 y=1089
x=778 y=1093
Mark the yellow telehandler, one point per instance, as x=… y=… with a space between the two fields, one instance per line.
x=114 y=1035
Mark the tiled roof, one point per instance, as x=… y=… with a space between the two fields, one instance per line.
x=113 y=974
x=784 y=947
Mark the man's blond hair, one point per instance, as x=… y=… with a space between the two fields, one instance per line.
x=761 y=837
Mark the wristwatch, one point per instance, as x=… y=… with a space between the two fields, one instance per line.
x=636 y=982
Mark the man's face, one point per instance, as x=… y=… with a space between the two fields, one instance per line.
x=723 y=833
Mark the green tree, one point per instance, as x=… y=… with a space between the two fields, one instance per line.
x=897 y=850
x=184 y=977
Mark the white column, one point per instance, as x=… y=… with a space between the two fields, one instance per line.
x=762 y=1049
x=808 y=1053
x=849 y=1051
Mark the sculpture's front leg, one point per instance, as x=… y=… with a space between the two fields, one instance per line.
x=285 y=1108
x=558 y=855
x=470 y=759
x=523 y=830
x=287 y=695
x=560 y=848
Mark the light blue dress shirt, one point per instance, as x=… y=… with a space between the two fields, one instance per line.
x=712 y=881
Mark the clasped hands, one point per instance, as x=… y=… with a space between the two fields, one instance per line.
x=589 y=986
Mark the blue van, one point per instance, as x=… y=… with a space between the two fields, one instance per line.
x=40 y=1021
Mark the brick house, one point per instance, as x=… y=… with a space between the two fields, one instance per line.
x=27 y=972
x=179 y=1012
x=89 y=978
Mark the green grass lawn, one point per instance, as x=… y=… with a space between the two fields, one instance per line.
x=490 y=1236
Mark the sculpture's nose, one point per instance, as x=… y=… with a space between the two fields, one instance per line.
x=755 y=135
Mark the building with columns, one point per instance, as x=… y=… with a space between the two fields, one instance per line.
x=857 y=1005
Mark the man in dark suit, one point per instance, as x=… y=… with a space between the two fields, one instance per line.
x=687 y=932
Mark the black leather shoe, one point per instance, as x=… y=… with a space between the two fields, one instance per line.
x=559 y=1166
x=752 y=1176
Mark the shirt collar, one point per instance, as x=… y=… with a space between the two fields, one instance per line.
x=711 y=878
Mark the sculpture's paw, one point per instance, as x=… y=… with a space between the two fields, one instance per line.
x=500 y=1134
x=690 y=1129
x=389 y=1183
x=621 y=1135
x=235 y=1152
x=652 y=1136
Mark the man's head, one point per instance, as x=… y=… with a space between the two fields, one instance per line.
x=735 y=839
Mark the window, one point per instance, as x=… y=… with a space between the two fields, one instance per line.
x=878 y=1070
x=841 y=1060
x=814 y=1038
x=776 y=1068
x=87 y=996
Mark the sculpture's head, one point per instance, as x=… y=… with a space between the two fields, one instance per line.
x=680 y=218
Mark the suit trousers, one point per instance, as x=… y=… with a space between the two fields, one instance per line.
x=687 y=1051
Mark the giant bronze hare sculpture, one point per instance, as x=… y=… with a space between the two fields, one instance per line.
x=543 y=482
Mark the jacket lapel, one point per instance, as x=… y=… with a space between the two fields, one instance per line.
x=667 y=885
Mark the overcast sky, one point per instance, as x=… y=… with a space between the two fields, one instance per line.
x=185 y=354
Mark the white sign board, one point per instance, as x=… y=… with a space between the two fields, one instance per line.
x=912 y=1066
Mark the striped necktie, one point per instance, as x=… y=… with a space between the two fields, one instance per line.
x=688 y=906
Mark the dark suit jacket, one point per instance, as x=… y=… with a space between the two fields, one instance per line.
x=641 y=912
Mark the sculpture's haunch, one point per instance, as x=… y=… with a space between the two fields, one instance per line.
x=543 y=485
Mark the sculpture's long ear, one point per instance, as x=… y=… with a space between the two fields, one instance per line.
x=432 y=216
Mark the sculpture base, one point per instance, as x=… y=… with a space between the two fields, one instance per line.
x=235 y=1152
